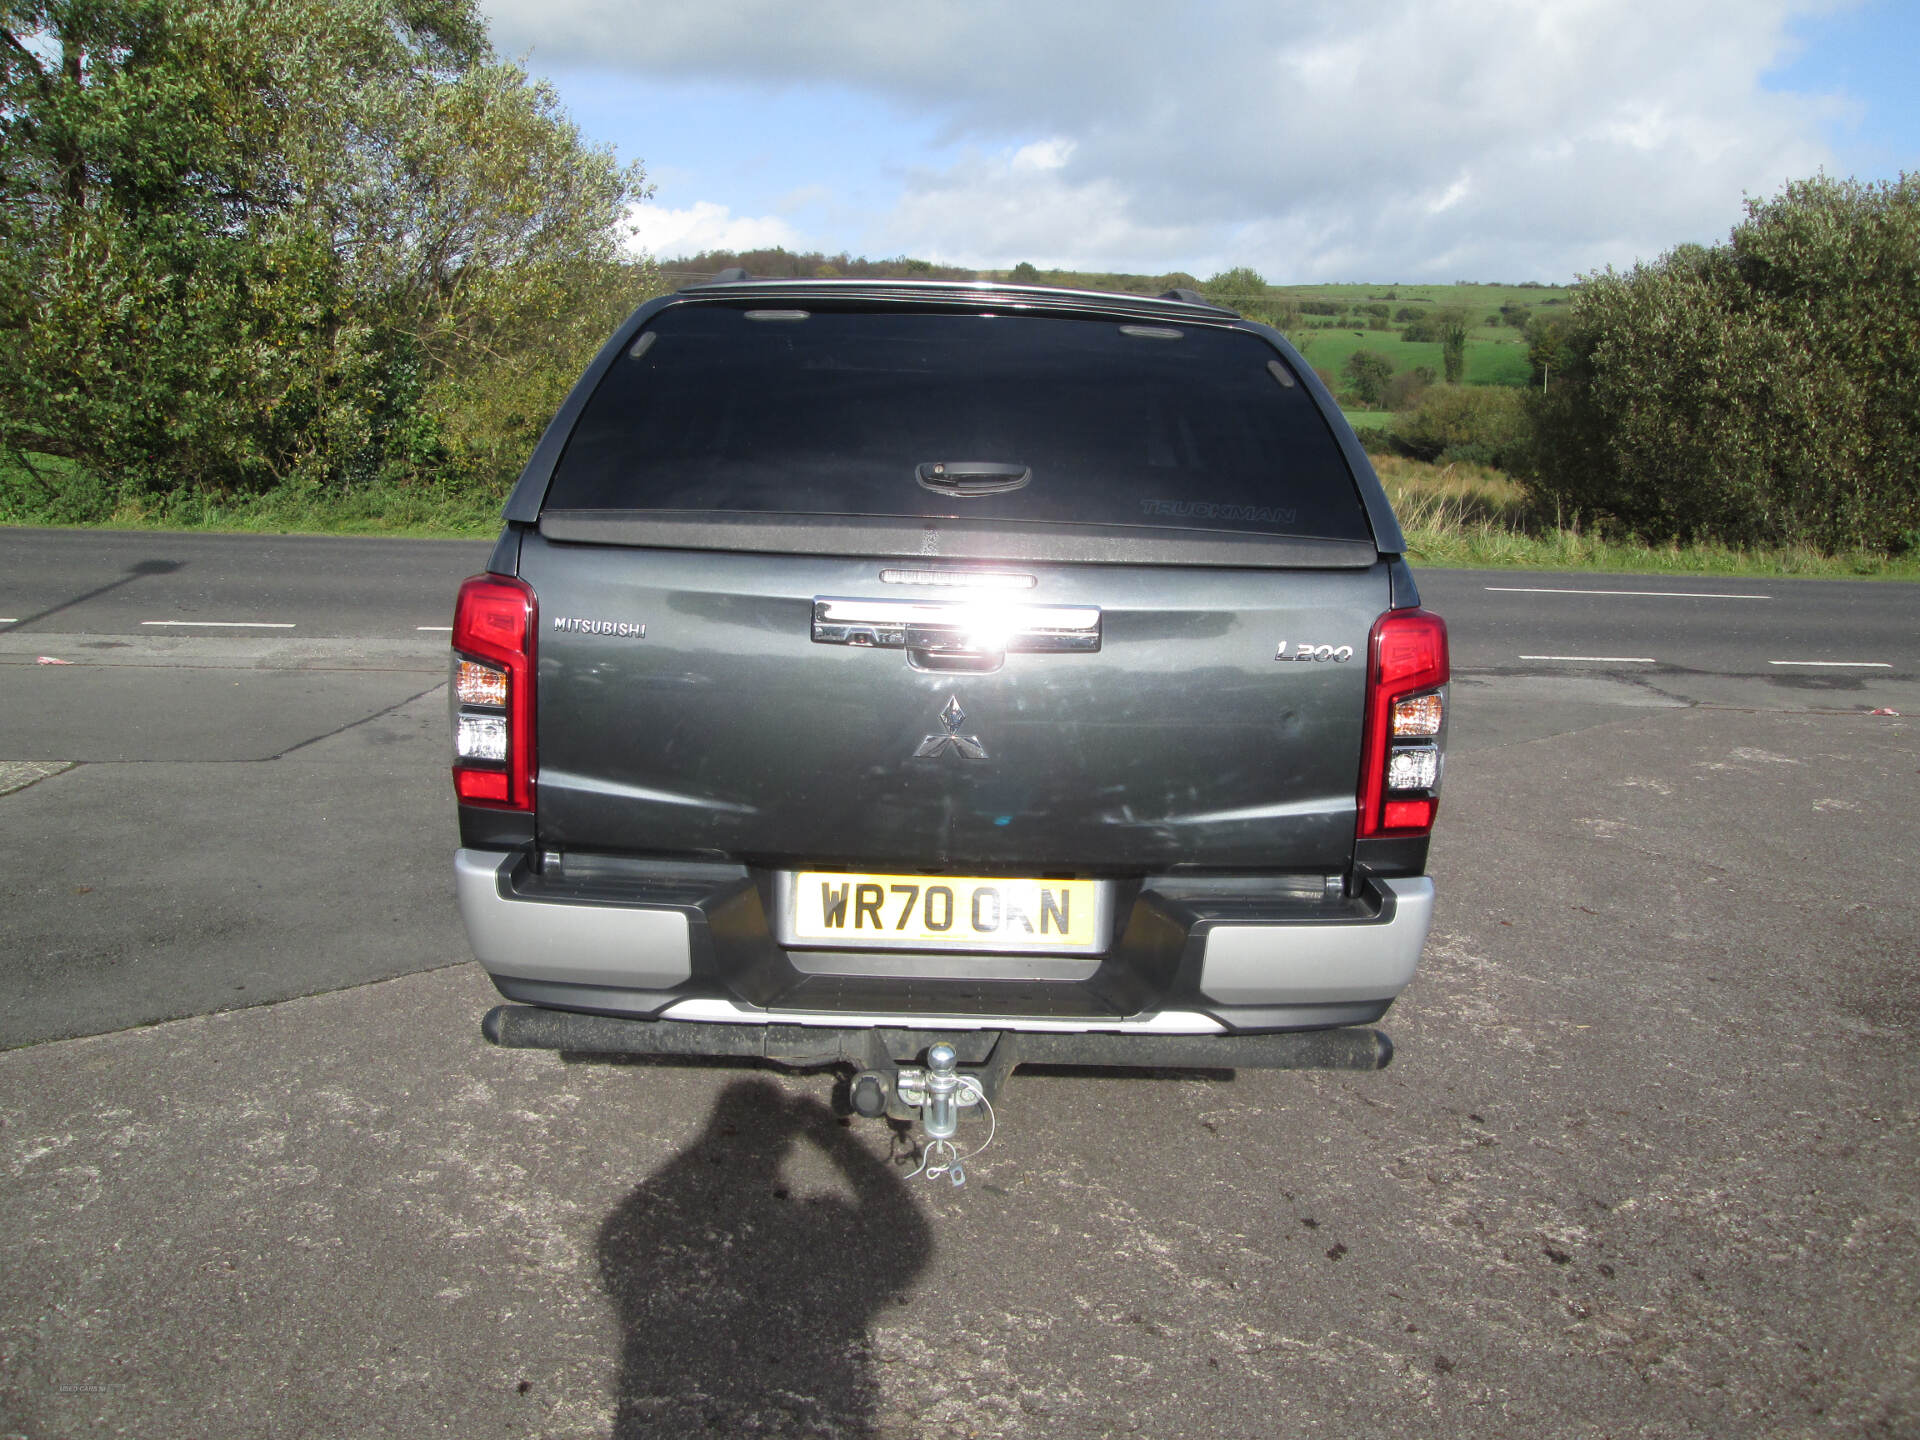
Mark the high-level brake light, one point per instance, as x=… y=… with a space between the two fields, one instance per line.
x=493 y=629
x=1400 y=764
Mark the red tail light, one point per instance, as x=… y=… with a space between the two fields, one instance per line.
x=493 y=630
x=1407 y=671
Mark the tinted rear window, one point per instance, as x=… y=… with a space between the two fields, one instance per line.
x=836 y=413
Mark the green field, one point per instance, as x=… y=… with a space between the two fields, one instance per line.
x=1493 y=358
x=1496 y=354
x=1479 y=301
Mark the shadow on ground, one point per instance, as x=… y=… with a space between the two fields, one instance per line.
x=744 y=1301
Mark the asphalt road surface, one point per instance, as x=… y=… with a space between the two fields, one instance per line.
x=1643 y=1165
x=153 y=585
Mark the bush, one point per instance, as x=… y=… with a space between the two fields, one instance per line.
x=1369 y=371
x=1481 y=424
x=1404 y=390
x=1409 y=312
x=1761 y=393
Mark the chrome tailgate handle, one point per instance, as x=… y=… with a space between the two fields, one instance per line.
x=978 y=626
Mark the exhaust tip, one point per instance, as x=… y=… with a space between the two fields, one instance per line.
x=491 y=1022
x=1382 y=1049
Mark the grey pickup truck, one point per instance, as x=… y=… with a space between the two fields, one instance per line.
x=926 y=678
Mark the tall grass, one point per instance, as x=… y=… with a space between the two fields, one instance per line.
x=57 y=492
x=1473 y=516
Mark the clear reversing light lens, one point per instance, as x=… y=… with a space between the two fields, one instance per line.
x=479 y=684
x=482 y=737
x=1413 y=767
x=1418 y=715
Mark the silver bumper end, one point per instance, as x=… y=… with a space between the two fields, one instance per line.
x=617 y=947
x=1321 y=964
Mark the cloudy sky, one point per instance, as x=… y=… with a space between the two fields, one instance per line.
x=1315 y=140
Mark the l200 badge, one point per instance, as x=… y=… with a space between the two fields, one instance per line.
x=1336 y=653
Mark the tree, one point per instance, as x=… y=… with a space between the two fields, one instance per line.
x=1547 y=350
x=1369 y=371
x=1450 y=324
x=1239 y=289
x=252 y=242
x=1765 y=391
x=1025 y=274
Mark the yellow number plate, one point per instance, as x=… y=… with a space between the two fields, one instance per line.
x=934 y=912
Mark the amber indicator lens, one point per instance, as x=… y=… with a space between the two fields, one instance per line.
x=481 y=684
x=1418 y=715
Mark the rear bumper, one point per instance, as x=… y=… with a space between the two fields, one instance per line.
x=692 y=942
x=988 y=1054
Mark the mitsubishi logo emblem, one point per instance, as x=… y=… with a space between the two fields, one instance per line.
x=968 y=747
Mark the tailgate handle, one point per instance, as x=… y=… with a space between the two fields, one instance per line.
x=971 y=477
x=939 y=633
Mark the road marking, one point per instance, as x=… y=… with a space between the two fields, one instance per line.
x=1599 y=659
x=226 y=624
x=1662 y=594
x=444 y=629
x=1838 y=664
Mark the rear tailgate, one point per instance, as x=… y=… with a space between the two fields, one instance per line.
x=736 y=728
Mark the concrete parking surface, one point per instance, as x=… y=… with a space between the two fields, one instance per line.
x=1644 y=1164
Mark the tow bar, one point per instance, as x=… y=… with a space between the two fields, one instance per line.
x=936 y=1096
x=963 y=1070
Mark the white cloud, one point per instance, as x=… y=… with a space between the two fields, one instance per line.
x=704 y=225
x=1043 y=154
x=991 y=210
x=1403 y=139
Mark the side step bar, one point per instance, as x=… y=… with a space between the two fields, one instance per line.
x=996 y=1052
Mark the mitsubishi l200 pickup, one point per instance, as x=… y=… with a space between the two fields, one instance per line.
x=929 y=677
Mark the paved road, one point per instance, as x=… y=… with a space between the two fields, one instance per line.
x=1643 y=1165
x=1783 y=630
x=130 y=582
x=145 y=584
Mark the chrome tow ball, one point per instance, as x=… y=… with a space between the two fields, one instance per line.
x=940 y=1110
x=939 y=1093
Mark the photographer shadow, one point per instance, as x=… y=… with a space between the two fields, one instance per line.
x=744 y=1308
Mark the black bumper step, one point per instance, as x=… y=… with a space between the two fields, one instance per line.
x=532 y=1027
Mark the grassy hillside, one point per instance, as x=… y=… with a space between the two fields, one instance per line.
x=1496 y=347
x=1493 y=357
